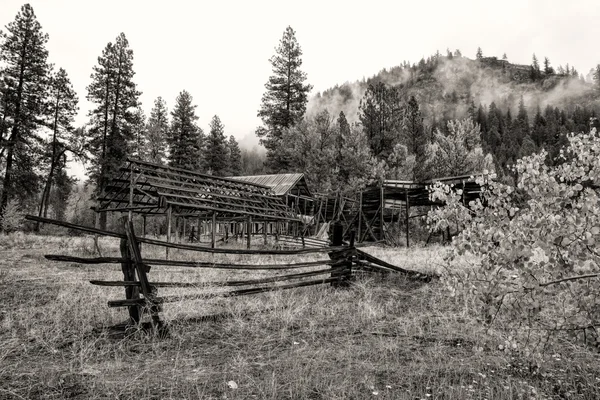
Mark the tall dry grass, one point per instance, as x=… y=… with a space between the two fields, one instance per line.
x=384 y=337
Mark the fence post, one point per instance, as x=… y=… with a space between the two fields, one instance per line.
x=249 y=231
x=337 y=256
x=131 y=292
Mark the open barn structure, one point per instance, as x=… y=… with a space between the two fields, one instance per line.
x=374 y=211
x=205 y=203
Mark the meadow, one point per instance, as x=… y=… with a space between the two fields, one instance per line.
x=384 y=337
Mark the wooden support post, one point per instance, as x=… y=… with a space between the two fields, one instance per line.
x=249 y=233
x=141 y=269
x=169 y=219
x=265 y=232
x=407 y=219
x=198 y=229
x=131 y=292
x=144 y=225
x=213 y=239
x=337 y=256
x=131 y=183
x=360 y=215
x=382 y=234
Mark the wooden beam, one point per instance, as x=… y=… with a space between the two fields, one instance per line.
x=407 y=220
x=213 y=230
x=249 y=229
x=169 y=218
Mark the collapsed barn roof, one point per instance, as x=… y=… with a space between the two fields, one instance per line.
x=148 y=188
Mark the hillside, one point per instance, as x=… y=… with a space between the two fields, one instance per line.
x=444 y=87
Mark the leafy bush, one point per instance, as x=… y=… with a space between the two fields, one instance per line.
x=12 y=217
x=528 y=255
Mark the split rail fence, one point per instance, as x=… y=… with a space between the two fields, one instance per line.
x=141 y=295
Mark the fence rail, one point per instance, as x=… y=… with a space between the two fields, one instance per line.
x=142 y=294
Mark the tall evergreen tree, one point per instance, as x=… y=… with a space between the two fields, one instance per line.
x=156 y=133
x=416 y=139
x=548 y=70
x=116 y=98
x=479 y=54
x=354 y=158
x=535 y=69
x=61 y=110
x=137 y=145
x=284 y=102
x=24 y=72
x=185 y=137
x=596 y=77
x=380 y=113
x=217 y=161
x=235 y=157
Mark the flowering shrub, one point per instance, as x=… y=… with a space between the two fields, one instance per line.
x=530 y=254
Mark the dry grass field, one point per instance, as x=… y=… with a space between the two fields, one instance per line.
x=382 y=338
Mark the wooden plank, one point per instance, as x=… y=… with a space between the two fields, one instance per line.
x=421 y=275
x=75 y=226
x=242 y=292
x=213 y=228
x=189 y=264
x=407 y=221
x=271 y=279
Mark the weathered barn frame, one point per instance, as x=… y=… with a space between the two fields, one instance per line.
x=374 y=209
x=150 y=189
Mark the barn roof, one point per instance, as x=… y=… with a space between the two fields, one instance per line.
x=148 y=188
x=280 y=184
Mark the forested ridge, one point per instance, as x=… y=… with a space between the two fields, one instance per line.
x=445 y=115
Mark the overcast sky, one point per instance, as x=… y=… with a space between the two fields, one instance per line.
x=219 y=50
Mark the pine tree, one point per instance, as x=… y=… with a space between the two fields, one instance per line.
x=24 y=73
x=235 y=157
x=185 y=137
x=61 y=110
x=354 y=156
x=535 y=69
x=116 y=96
x=284 y=103
x=596 y=77
x=217 y=162
x=156 y=133
x=139 y=135
x=380 y=113
x=548 y=70
x=479 y=54
x=416 y=140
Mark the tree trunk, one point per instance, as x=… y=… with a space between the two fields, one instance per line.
x=48 y=186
